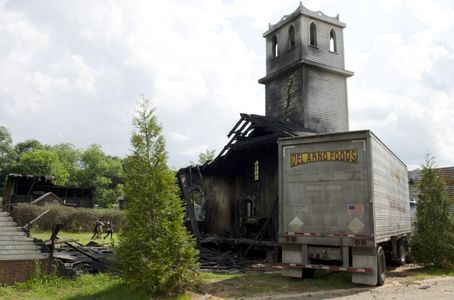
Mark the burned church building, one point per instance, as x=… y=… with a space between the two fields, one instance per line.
x=236 y=194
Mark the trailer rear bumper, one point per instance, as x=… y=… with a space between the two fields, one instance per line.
x=326 y=267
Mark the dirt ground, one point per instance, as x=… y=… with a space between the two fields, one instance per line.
x=406 y=282
x=434 y=288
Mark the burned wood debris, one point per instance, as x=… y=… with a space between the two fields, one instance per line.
x=224 y=254
x=73 y=258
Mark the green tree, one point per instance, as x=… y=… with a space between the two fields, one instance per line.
x=7 y=156
x=206 y=156
x=5 y=142
x=28 y=146
x=70 y=158
x=156 y=252
x=42 y=162
x=102 y=172
x=432 y=242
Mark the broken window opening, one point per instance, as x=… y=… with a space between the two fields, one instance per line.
x=313 y=35
x=198 y=200
x=275 y=47
x=249 y=208
x=332 y=41
x=291 y=37
x=256 y=171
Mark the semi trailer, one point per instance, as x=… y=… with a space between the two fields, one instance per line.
x=343 y=206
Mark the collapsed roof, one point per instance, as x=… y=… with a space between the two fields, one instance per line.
x=254 y=131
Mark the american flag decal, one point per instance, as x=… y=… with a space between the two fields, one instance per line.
x=355 y=209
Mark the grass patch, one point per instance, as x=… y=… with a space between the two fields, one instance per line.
x=87 y=286
x=429 y=272
x=81 y=237
x=84 y=287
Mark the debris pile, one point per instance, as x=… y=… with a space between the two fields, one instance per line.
x=224 y=254
x=74 y=258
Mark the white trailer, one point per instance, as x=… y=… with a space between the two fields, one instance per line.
x=343 y=205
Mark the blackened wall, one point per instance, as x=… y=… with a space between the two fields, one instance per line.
x=225 y=189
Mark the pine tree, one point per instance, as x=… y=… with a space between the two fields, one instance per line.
x=432 y=242
x=156 y=253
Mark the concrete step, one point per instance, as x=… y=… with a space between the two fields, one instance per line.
x=15 y=238
x=12 y=233
x=27 y=246
x=7 y=223
x=19 y=251
x=6 y=219
x=5 y=230
x=24 y=256
x=4 y=243
x=4 y=213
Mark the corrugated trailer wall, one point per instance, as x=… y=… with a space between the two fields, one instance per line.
x=390 y=192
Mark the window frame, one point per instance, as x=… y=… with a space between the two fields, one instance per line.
x=313 y=35
x=332 y=41
x=291 y=37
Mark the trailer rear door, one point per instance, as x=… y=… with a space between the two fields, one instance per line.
x=325 y=188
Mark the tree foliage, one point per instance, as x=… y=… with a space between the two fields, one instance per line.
x=42 y=162
x=28 y=146
x=432 y=242
x=89 y=168
x=7 y=155
x=206 y=156
x=156 y=252
x=103 y=172
x=5 y=143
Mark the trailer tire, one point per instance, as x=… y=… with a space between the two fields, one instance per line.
x=402 y=253
x=381 y=266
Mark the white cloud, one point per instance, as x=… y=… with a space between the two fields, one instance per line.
x=195 y=150
x=87 y=62
x=178 y=137
x=45 y=84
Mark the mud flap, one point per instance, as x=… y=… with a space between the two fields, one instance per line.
x=291 y=254
x=296 y=273
x=365 y=258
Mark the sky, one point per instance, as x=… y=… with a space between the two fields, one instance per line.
x=74 y=71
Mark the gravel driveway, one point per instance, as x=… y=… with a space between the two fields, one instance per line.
x=439 y=288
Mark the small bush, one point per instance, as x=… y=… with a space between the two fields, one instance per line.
x=432 y=242
x=73 y=219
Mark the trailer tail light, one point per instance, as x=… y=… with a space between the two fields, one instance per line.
x=360 y=242
x=290 y=238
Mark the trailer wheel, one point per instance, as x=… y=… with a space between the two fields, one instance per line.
x=381 y=266
x=401 y=253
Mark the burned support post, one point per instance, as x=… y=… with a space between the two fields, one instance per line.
x=189 y=206
x=26 y=228
x=262 y=230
